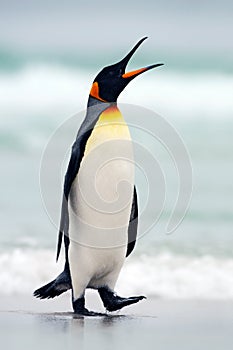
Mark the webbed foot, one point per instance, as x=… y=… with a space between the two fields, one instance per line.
x=113 y=302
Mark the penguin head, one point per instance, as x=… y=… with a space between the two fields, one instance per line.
x=112 y=80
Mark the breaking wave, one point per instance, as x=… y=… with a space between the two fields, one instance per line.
x=165 y=275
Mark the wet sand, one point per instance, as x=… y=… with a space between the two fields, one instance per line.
x=26 y=323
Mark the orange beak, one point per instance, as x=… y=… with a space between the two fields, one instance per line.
x=123 y=63
x=136 y=72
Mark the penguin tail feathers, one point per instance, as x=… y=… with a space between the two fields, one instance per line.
x=54 y=288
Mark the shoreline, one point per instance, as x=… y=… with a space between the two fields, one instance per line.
x=151 y=306
x=153 y=323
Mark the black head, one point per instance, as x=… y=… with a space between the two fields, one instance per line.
x=112 y=80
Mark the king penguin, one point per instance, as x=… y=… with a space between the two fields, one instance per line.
x=99 y=214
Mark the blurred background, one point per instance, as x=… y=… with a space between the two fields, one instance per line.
x=50 y=51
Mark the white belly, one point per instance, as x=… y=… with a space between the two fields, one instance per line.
x=99 y=209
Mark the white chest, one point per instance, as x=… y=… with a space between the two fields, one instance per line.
x=101 y=195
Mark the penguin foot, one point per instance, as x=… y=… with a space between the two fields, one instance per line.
x=86 y=312
x=113 y=302
x=79 y=309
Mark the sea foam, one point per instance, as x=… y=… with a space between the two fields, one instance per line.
x=165 y=275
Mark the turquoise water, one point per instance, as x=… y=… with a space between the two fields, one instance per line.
x=11 y=60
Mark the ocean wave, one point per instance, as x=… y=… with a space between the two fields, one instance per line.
x=52 y=89
x=39 y=90
x=165 y=275
x=34 y=101
x=179 y=277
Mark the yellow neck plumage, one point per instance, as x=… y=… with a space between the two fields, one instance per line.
x=110 y=126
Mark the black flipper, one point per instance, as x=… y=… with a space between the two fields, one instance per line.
x=93 y=112
x=58 y=286
x=133 y=224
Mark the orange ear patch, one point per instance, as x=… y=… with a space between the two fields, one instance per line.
x=134 y=72
x=95 y=91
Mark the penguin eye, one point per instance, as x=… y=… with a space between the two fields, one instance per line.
x=115 y=73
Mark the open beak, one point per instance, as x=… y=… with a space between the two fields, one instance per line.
x=123 y=63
